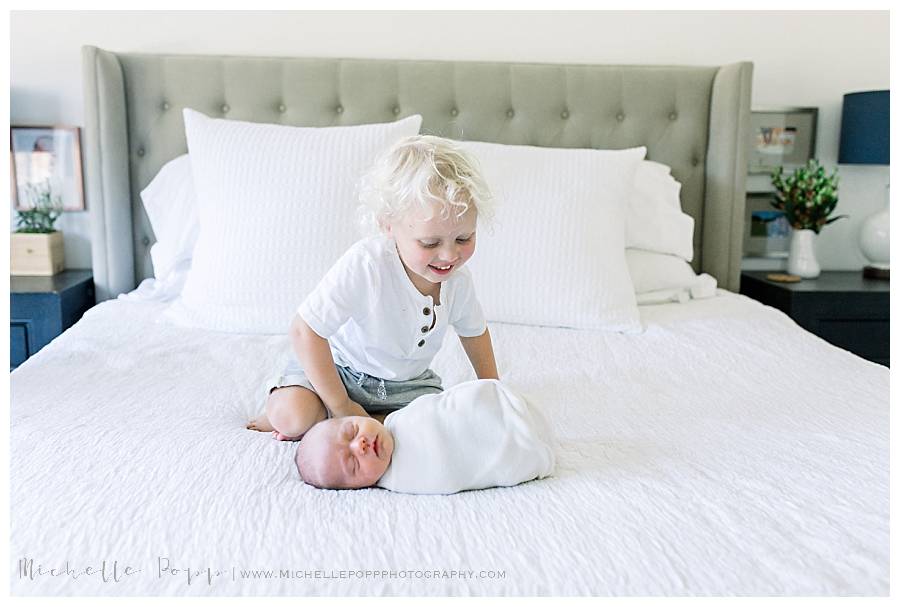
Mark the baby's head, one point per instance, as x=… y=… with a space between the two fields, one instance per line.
x=427 y=194
x=344 y=453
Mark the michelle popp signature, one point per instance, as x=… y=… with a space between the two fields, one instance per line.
x=114 y=571
x=106 y=571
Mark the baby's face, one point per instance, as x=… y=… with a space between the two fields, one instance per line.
x=353 y=452
x=433 y=248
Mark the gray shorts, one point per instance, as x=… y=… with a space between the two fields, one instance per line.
x=374 y=394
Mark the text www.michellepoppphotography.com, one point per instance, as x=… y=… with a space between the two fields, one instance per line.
x=117 y=572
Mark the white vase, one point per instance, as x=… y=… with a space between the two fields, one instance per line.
x=802 y=257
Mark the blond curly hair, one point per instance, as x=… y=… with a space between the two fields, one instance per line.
x=422 y=171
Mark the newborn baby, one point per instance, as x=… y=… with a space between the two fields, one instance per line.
x=475 y=435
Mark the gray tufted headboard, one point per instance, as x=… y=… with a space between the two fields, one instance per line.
x=694 y=119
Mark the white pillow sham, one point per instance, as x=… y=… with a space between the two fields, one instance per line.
x=659 y=278
x=555 y=255
x=170 y=202
x=276 y=207
x=655 y=221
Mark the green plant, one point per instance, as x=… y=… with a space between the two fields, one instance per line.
x=43 y=211
x=807 y=196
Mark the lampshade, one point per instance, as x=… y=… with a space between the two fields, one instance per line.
x=866 y=128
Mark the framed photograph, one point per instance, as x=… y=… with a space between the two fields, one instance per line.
x=767 y=232
x=781 y=137
x=46 y=160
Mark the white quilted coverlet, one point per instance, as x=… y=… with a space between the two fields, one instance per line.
x=722 y=451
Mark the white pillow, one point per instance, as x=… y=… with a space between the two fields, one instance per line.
x=655 y=221
x=276 y=206
x=556 y=253
x=171 y=206
x=660 y=278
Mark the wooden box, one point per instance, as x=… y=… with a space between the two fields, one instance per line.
x=36 y=254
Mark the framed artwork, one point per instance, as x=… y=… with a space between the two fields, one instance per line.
x=767 y=232
x=46 y=164
x=781 y=137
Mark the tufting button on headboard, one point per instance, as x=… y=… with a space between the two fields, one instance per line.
x=339 y=109
x=282 y=108
x=620 y=116
x=454 y=112
x=510 y=113
x=673 y=116
x=165 y=105
x=564 y=115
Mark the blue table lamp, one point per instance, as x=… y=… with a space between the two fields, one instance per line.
x=865 y=139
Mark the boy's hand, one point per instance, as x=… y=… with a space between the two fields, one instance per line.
x=349 y=408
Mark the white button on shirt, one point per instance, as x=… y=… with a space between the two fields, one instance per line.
x=375 y=319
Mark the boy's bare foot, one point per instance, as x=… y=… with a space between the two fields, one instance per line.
x=260 y=424
x=279 y=436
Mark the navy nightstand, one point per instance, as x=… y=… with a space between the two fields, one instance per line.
x=844 y=308
x=42 y=307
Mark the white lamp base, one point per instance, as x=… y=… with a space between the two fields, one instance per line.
x=875 y=243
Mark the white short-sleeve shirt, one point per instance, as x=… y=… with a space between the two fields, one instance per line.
x=375 y=319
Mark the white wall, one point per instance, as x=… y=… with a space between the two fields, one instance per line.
x=800 y=58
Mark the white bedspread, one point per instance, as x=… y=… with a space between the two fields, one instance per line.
x=722 y=451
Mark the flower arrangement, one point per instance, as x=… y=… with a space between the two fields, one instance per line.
x=43 y=212
x=807 y=196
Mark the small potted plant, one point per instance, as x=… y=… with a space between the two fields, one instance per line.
x=36 y=248
x=808 y=197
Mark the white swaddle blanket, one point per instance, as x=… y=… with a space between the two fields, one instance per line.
x=475 y=435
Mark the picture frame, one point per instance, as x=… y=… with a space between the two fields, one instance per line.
x=784 y=136
x=767 y=232
x=46 y=159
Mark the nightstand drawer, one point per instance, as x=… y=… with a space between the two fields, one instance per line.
x=868 y=339
x=812 y=308
x=18 y=343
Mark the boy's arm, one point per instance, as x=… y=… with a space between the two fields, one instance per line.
x=314 y=355
x=481 y=355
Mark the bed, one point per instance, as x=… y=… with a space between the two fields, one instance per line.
x=692 y=459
